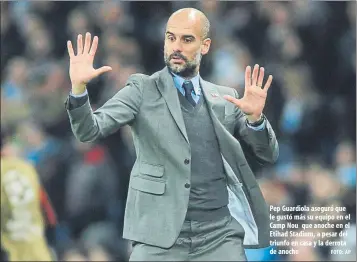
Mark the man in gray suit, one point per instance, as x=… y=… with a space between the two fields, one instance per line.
x=192 y=195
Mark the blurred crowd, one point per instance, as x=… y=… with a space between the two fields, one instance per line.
x=308 y=46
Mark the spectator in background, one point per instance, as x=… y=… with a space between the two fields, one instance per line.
x=12 y=42
x=26 y=211
x=345 y=165
x=96 y=199
x=14 y=93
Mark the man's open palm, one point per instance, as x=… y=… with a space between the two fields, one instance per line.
x=81 y=69
x=253 y=101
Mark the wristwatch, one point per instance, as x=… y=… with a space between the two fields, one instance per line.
x=258 y=122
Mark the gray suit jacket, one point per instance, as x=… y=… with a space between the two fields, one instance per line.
x=157 y=197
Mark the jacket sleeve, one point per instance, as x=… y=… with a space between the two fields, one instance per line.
x=262 y=143
x=121 y=109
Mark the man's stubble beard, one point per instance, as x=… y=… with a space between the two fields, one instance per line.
x=187 y=69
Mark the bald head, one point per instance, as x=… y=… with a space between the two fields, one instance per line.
x=193 y=17
x=186 y=41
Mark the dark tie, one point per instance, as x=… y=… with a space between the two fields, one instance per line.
x=188 y=86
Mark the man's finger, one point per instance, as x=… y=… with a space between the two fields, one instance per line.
x=261 y=77
x=79 y=45
x=233 y=100
x=102 y=70
x=248 y=76
x=87 y=43
x=70 y=49
x=255 y=75
x=93 y=49
x=268 y=83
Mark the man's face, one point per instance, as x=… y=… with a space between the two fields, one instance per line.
x=184 y=46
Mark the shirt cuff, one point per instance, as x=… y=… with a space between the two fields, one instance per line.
x=258 y=128
x=80 y=95
x=75 y=101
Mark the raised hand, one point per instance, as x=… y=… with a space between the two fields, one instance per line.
x=253 y=101
x=81 y=69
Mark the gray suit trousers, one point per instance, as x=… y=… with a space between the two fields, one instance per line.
x=199 y=241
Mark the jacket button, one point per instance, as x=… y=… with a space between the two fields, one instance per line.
x=187 y=185
x=187 y=161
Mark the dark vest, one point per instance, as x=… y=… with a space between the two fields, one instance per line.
x=208 y=195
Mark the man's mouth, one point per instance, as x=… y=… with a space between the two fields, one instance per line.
x=177 y=59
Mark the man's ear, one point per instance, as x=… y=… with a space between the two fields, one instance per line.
x=205 y=46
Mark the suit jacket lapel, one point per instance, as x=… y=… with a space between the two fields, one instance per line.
x=166 y=86
x=216 y=108
x=216 y=103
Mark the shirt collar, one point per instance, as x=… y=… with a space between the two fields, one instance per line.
x=195 y=81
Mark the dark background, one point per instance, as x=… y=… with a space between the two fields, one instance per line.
x=308 y=46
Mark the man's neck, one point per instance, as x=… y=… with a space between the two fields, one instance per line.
x=191 y=76
x=186 y=77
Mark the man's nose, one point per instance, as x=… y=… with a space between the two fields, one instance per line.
x=177 y=46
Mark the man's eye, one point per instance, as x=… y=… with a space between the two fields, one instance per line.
x=171 y=38
x=188 y=40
